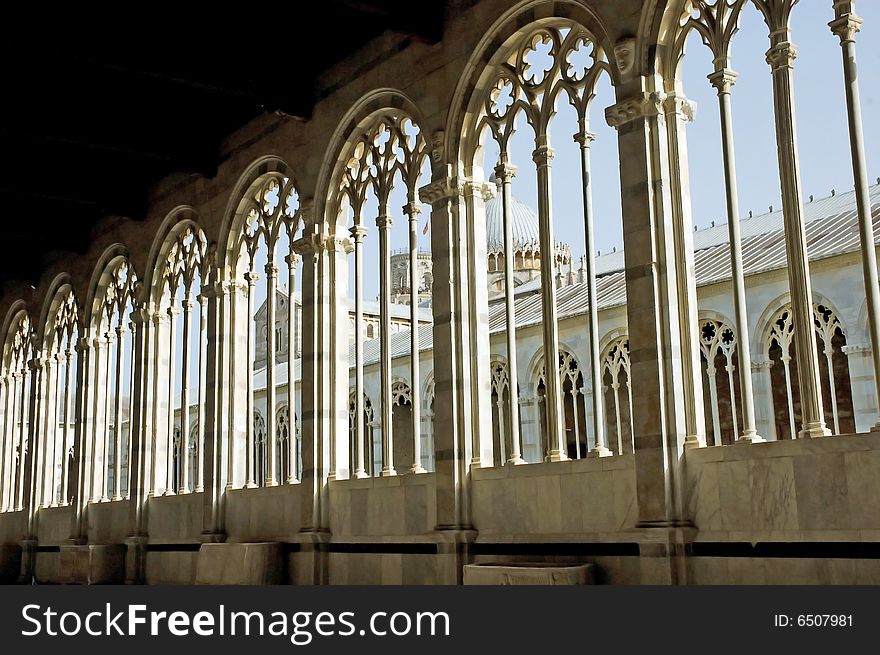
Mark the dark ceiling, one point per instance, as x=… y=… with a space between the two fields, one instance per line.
x=97 y=111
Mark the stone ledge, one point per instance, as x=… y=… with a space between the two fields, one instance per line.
x=92 y=564
x=528 y=573
x=239 y=564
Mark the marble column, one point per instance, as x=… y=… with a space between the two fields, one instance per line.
x=763 y=394
x=678 y=111
x=250 y=446
x=199 y=482
x=845 y=25
x=861 y=376
x=452 y=364
x=542 y=157
x=6 y=391
x=383 y=223
x=504 y=173
x=412 y=210
x=652 y=241
x=358 y=232
x=271 y=431
x=781 y=57
x=139 y=447
x=30 y=473
x=338 y=250
x=172 y=467
x=81 y=436
x=293 y=260
x=117 y=411
x=723 y=79
x=584 y=138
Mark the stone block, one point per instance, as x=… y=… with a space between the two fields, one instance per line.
x=239 y=564
x=526 y=573
x=92 y=564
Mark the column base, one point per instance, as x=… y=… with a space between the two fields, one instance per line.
x=417 y=469
x=814 y=431
x=360 y=475
x=694 y=441
x=557 y=456
x=751 y=437
x=387 y=473
x=516 y=461
x=599 y=451
x=250 y=485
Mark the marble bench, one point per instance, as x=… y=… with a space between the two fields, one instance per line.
x=527 y=573
x=239 y=564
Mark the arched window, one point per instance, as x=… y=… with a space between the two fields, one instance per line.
x=265 y=267
x=261 y=452
x=618 y=395
x=571 y=382
x=283 y=449
x=385 y=164
x=833 y=372
x=535 y=95
x=183 y=279
x=718 y=345
x=109 y=379
x=17 y=355
x=372 y=455
x=62 y=335
x=501 y=434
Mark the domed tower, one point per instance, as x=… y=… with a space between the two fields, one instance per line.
x=526 y=242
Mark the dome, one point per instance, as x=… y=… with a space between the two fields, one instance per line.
x=524 y=222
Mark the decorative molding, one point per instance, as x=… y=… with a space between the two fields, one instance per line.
x=625 y=57
x=442 y=189
x=782 y=55
x=678 y=104
x=643 y=106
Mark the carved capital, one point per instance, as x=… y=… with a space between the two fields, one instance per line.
x=439 y=190
x=722 y=79
x=412 y=209
x=643 y=106
x=358 y=232
x=782 y=55
x=845 y=26
x=505 y=172
x=271 y=270
x=338 y=244
x=384 y=222
x=478 y=190
x=856 y=348
x=293 y=259
x=584 y=138
x=677 y=104
x=762 y=364
x=251 y=277
x=543 y=155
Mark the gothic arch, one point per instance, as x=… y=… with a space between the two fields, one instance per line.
x=176 y=223
x=478 y=75
x=363 y=115
x=100 y=279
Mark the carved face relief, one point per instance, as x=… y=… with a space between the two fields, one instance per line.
x=625 y=55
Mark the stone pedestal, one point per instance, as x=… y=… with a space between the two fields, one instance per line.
x=239 y=564
x=92 y=564
x=526 y=573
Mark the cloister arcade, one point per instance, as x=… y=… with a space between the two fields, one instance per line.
x=135 y=416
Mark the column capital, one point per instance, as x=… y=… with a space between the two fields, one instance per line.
x=505 y=171
x=639 y=106
x=761 y=364
x=120 y=331
x=412 y=209
x=271 y=270
x=722 y=79
x=543 y=154
x=338 y=244
x=782 y=55
x=358 y=232
x=855 y=348
x=384 y=221
x=675 y=103
x=846 y=24
x=441 y=189
x=251 y=278
x=584 y=138
x=173 y=311
x=293 y=259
